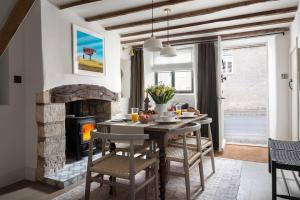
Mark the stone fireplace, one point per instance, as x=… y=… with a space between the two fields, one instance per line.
x=53 y=107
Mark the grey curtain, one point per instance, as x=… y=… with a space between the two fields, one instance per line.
x=207 y=100
x=137 y=79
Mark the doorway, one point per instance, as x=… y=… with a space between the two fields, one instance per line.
x=245 y=91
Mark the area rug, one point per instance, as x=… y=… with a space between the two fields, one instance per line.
x=223 y=185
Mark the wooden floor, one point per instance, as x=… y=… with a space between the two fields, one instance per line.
x=27 y=190
x=243 y=152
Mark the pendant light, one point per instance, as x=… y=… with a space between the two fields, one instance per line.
x=152 y=44
x=168 y=50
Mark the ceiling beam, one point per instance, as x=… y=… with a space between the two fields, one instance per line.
x=214 y=30
x=76 y=3
x=133 y=10
x=186 y=14
x=246 y=16
x=13 y=22
x=230 y=36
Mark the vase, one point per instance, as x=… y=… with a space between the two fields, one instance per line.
x=161 y=108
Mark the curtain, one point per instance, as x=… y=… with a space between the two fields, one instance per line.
x=207 y=100
x=137 y=79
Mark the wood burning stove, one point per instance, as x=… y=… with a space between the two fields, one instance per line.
x=78 y=135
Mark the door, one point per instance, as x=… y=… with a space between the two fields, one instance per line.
x=294 y=92
x=220 y=96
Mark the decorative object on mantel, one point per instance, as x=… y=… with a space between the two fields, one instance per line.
x=168 y=50
x=88 y=52
x=161 y=95
x=152 y=44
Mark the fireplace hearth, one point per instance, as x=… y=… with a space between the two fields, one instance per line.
x=63 y=112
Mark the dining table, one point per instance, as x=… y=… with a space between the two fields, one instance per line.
x=158 y=132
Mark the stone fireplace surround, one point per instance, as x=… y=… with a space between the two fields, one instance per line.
x=51 y=115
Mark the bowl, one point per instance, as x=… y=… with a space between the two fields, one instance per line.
x=188 y=114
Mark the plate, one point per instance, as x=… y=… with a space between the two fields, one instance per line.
x=184 y=117
x=167 y=122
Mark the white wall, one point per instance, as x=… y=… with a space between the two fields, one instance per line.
x=41 y=52
x=57 y=50
x=295 y=29
x=17 y=144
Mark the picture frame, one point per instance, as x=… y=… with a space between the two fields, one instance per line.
x=88 y=52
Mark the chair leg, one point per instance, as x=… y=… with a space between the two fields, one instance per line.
x=156 y=181
x=212 y=157
x=147 y=186
x=201 y=173
x=274 y=182
x=88 y=186
x=187 y=181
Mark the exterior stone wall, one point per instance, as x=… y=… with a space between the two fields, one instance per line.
x=246 y=89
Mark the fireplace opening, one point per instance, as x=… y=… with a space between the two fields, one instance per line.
x=81 y=118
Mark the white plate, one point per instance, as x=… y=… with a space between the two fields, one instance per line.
x=167 y=122
x=181 y=116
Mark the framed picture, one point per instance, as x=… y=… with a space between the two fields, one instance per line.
x=88 y=52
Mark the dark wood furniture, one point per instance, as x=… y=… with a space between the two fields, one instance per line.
x=160 y=133
x=283 y=155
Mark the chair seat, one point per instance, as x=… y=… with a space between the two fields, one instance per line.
x=118 y=166
x=176 y=154
x=191 y=142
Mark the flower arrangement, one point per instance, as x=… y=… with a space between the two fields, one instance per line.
x=161 y=93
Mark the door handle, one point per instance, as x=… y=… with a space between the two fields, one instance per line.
x=221 y=98
x=290 y=84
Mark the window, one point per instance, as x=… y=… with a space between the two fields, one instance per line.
x=227 y=64
x=182 y=81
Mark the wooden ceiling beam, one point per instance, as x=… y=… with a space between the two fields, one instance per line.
x=186 y=14
x=133 y=10
x=76 y=3
x=246 y=16
x=230 y=36
x=13 y=22
x=213 y=30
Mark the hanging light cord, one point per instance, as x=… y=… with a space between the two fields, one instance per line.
x=152 y=18
x=168 y=26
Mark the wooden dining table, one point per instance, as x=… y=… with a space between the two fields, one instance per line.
x=159 y=133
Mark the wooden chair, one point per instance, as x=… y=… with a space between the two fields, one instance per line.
x=189 y=157
x=119 y=166
x=206 y=142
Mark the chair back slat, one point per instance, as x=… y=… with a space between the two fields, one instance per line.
x=116 y=136
x=191 y=127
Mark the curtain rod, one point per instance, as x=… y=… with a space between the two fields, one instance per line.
x=215 y=40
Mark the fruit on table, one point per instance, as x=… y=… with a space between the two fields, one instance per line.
x=144 y=118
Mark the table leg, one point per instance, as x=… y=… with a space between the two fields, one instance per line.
x=274 y=181
x=162 y=144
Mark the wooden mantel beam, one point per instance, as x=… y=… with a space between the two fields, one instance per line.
x=245 y=16
x=133 y=10
x=186 y=14
x=76 y=3
x=214 y=30
x=13 y=22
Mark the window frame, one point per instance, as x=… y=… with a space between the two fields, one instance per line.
x=173 y=80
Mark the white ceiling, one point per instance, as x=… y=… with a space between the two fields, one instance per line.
x=106 y=6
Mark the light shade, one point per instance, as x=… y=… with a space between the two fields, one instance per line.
x=168 y=51
x=153 y=44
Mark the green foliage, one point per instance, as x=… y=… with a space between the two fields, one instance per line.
x=161 y=93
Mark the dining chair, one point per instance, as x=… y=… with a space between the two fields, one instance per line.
x=206 y=142
x=120 y=166
x=189 y=157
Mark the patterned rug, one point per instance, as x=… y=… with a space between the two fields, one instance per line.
x=223 y=185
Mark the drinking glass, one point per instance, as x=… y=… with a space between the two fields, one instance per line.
x=178 y=110
x=134 y=114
